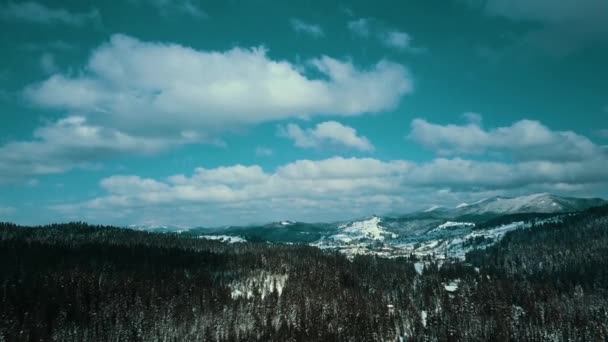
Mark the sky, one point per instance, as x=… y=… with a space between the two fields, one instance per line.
x=208 y=113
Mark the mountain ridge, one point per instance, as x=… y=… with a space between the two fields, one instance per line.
x=481 y=210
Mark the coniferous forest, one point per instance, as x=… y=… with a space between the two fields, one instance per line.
x=76 y=282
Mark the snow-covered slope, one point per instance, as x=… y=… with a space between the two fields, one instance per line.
x=451 y=224
x=437 y=232
x=535 y=203
x=223 y=238
x=369 y=229
x=159 y=228
x=501 y=205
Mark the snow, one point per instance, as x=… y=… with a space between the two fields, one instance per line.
x=157 y=227
x=450 y=224
x=423 y=317
x=345 y=238
x=438 y=243
x=223 y=238
x=452 y=247
x=286 y=223
x=452 y=286
x=366 y=229
x=480 y=201
x=541 y=202
x=435 y=207
x=462 y=205
x=261 y=284
x=497 y=232
x=419 y=266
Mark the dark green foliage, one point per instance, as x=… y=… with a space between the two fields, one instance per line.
x=510 y=218
x=76 y=282
x=296 y=232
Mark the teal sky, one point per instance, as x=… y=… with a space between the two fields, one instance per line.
x=203 y=113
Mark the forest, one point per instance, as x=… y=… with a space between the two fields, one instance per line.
x=78 y=282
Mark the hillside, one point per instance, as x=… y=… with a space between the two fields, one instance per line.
x=76 y=282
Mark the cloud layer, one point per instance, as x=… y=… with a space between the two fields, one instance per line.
x=157 y=88
x=39 y=13
x=69 y=143
x=326 y=133
x=521 y=158
x=342 y=187
x=136 y=97
x=523 y=140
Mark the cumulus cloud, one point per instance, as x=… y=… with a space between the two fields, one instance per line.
x=241 y=189
x=156 y=87
x=69 y=143
x=39 y=13
x=301 y=26
x=343 y=187
x=326 y=133
x=524 y=140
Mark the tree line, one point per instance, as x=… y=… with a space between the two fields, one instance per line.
x=78 y=282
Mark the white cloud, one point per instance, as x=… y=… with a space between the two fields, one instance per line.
x=326 y=133
x=360 y=27
x=41 y=14
x=69 y=143
x=190 y=8
x=342 y=187
x=469 y=175
x=313 y=30
x=7 y=210
x=167 y=7
x=473 y=118
x=262 y=151
x=524 y=140
x=397 y=39
x=243 y=190
x=47 y=63
x=207 y=91
x=343 y=168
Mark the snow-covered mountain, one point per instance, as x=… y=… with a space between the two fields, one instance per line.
x=365 y=230
x=437 y=232
x=500 y=205
x=535 y=203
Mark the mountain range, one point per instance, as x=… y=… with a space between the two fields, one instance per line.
x=437 y=232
